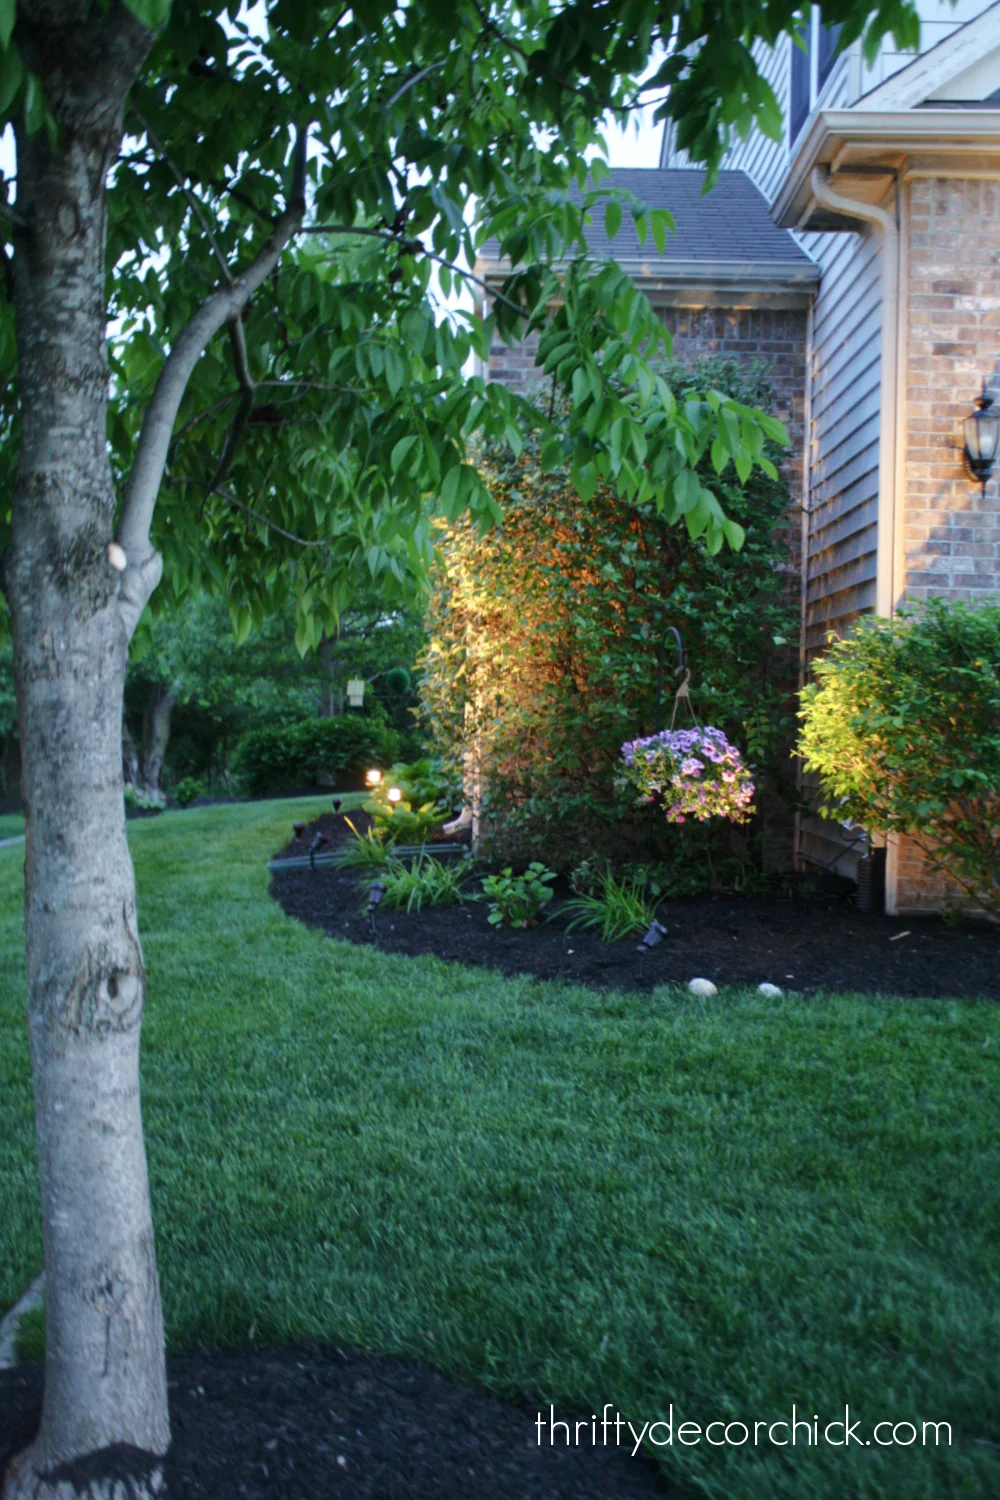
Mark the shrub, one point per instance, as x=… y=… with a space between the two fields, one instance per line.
x=903 y=726
x=189 y=788
x=426 y=882
x=287 y=756
x=616 y=907
x=544 y=639
x=517 y=900
x=400 y=822
x=141 y=799
x=426 y=780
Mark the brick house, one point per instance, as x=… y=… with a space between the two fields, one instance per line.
x=860 y=257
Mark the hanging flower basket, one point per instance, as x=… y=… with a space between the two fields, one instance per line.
x=696 y=772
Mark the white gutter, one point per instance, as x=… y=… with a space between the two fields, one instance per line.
x=885 y=592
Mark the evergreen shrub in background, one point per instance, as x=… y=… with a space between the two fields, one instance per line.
x=287 y=756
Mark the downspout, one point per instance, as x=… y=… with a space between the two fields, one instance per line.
x=889 y=481
x=804 y=558
x=885 y=581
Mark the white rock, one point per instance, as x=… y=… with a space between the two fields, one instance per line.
x=116 y=557
x=703 y=987
x=770 y=991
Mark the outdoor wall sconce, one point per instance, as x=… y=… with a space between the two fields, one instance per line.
x=373 y=777
x=394 y=795
x=982 y=438
x=318 y=841
x=375 y=895
x=356 y=692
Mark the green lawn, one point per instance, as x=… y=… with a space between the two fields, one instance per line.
x=11 y=824
x=730 y=1205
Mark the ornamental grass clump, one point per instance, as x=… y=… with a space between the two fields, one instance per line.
x=696 y=773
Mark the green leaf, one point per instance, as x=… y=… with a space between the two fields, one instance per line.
x=8 y=15
x=612 y=218
x=11 y=78
x=34 y=104
x=152 y=13
x=400 y=452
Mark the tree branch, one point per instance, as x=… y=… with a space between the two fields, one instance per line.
x=154 y=439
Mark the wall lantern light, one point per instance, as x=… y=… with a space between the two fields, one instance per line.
x=394 y=794
x=982 y=438
x=356 y=691
x=373 y=777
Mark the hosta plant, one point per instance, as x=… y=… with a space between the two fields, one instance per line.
x=696 y=773
x=517 y=900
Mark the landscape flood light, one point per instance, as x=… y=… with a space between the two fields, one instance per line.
x=319 y=840
x=375 y=894
x=654 y=937
x=982 y=438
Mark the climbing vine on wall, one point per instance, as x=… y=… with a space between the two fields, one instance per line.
x=544 y=635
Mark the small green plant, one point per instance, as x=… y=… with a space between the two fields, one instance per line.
x=616 y=907
x=366 y=851
x=189 y=788
x=140 y=799
x=401 y=822
x=426 y=882
x=517 y=900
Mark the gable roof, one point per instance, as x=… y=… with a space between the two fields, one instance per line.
x=927 y=77
x=724 y=238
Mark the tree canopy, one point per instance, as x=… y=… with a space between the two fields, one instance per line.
x=382 y=146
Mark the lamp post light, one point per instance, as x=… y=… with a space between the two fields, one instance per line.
x=298 y=829
x=394 y=795
x=373 y=777
x=982 y=438
x=337 y=804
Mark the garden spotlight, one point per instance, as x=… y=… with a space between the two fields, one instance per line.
x=375 y=895
x=653 y=938
x=373 y=777
x=318 y=841
x=394 y=794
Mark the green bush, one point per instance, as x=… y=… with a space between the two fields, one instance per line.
x=296 y=755
x=545 y=637
x=903 y=726
x=517 y=900
x=140 y=799
x=189 y=788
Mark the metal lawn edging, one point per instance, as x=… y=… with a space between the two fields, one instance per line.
x=333 y=858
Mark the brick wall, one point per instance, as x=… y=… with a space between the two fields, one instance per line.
x=952 y=539
x=952 y=532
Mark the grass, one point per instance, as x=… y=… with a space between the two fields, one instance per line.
x=730 y=1205
x=11 y=825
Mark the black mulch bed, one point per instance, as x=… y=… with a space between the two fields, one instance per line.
x=304 y=1423
x=799 y=943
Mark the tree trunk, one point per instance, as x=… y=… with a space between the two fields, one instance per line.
x=104 y=1425
x=156 y=733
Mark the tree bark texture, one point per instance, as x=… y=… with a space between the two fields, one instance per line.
x=156 y=733
x=104 y=1425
